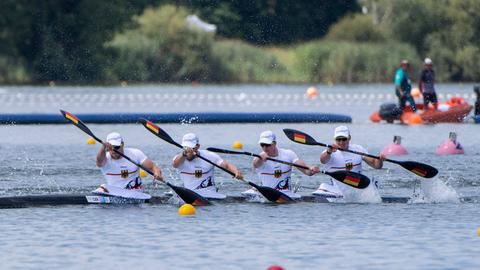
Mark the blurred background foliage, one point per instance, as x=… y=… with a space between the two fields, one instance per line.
x=265 y=41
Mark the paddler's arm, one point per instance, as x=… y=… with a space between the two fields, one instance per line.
x=311 y=171
x=325 y=155
x=376 y=163
x=102 y=154
x=227 y=165
x=180 y=158
x=150 y=165
x=257 y=162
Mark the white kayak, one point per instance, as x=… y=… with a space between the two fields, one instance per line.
x=252 y=193
x=114 y=191
x=210 y=194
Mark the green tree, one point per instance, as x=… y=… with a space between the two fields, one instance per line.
x=272 y=21
x=162 y=48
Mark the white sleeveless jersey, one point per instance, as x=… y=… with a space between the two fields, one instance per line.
x=121 y=172
x=341 y=160
x=197 y=173
x=277 y=175
x=348 y=161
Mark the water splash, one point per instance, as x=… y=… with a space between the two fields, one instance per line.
x=188 y=121
x=368 y=195
x=436 y=191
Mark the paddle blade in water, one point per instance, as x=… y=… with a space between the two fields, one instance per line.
x=353 y=179
x=189 y=196
x=271 y=194
x=419 y=169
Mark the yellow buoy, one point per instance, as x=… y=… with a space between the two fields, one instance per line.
x=237 y=145
x=186 y=210
x=91 y=140
x=143 y=173
x=478 y=231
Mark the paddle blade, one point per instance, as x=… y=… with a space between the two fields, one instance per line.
x=78 y=123
x=419 y=169
x=299 y=137
x=271 y=194
x=189 y=196
x=157 y=131
x=353 y=179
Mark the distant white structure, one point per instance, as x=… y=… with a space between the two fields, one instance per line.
x=193 y=22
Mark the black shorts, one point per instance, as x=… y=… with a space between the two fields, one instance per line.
x=430 y=97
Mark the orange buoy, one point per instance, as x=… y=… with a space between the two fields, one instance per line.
x=415 y=92
x=375 y=117
x=411 y=118
x=415 y=119
x=405 y=116
x=312 y=92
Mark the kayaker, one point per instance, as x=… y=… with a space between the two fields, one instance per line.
x=426 y=84
x=120 y=172
x=403 y=86
x=196 y=173
x=273 y=174
x=336 y=160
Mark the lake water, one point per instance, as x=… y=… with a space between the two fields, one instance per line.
x=434 y=231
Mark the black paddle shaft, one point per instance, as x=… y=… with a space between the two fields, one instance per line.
x=421 y=169
x=345 y=177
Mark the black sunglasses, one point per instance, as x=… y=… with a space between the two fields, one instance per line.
x=264 y=145
x=116 y=147
x=342 y=139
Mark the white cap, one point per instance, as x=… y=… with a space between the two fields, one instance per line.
x=190 y=140
x=404 y=61
x=428 y=61
x=341 y=131
x=115 y=139
x=267 y=137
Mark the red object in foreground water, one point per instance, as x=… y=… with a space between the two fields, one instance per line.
x=275 y=267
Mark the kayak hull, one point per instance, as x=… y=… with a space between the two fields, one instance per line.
x=89 y=199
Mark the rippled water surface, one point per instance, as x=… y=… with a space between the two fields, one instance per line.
x=434 y=231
